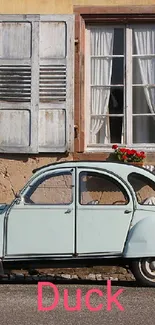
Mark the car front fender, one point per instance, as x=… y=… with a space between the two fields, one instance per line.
x=3 y=211
x=141 y=239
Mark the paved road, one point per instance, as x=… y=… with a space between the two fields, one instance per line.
x=19 y=305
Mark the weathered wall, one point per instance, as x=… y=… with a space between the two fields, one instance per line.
x=15 y=171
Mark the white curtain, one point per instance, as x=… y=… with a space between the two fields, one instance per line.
x=145 y=45
x=101 y=70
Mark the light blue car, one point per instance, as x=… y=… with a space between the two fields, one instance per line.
x=83 y=213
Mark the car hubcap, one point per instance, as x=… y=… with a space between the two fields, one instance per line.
x=147 y=268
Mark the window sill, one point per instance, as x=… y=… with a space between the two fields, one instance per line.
x=108 y=149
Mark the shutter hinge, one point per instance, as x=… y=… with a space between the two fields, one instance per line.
x=76 y=41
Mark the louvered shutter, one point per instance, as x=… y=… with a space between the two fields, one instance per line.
x=19 y=48
x=36 y=83
x=56 y=86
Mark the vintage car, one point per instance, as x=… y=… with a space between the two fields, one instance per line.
x=82 y=213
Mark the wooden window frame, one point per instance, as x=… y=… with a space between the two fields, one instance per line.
x=97 y=15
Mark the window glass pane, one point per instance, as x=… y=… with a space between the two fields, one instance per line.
x=143 y=71
x=104 y=71
x=100 y=189
x=143 y=187
x=111 y=130
x=114 y=104
x=116 y=128
x=143 y=129
x=142 y=98
x=116 y=107
x=114 y=68
x=101 y=71
x=106 y=129
x=144 y=40
x=116 y=100
x=137 y=77
x=53 y=189
x=117 y=71
x=118 y=48
x=101 y=40
x=107 y=41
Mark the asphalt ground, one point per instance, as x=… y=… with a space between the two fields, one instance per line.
x=19 y=303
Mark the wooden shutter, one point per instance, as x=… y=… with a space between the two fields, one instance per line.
x=19 y=49
x=36 y=83
x=56 y=86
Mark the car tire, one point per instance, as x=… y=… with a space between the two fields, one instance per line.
x=143 y=270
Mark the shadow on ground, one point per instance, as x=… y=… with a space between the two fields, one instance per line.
x=59 y=280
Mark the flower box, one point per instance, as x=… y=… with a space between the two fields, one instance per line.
x=127 y=155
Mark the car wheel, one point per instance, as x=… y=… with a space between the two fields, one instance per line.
x=143 y=270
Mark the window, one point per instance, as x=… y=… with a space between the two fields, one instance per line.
x=51 y=189
x=143 y=187
x=96 y=188
x=120 y=85
x=36 y=88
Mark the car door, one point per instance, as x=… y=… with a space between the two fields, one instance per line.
x=104 y=213
x=43 y=222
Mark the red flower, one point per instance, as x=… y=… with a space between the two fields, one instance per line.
x=133 y=152
x=142 y=154
x=129 y=152
x=115 y=146
x=143 y=157
x=138 y=154
x=130 y=155
x=123 y=150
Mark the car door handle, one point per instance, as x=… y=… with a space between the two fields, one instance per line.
x=127 y=211
x=68 y=211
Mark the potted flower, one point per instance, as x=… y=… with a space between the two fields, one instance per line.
x=129 y=155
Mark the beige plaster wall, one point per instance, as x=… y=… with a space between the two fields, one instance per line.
x=59 y=6
x=15 y=171
x=36 y=6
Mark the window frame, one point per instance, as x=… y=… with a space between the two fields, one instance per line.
x=40 y=179
x=141 y=177
x=90 y=147
x=123 y=188
x=100 y=15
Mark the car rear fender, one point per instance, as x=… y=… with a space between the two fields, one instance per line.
x=141 y=239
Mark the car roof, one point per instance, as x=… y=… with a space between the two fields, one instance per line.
x=120 y=168
x=77 y=163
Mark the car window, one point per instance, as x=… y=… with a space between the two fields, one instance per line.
x=51 y=189
x=96 y=188
x=143 y=187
